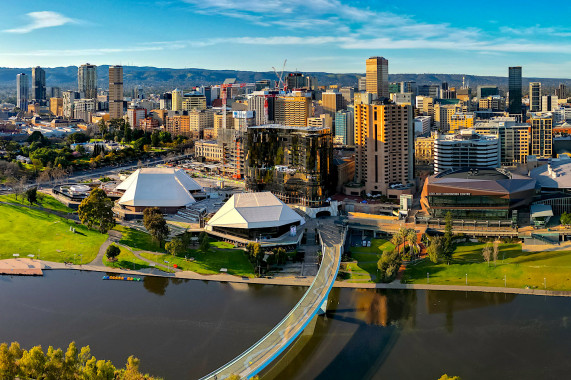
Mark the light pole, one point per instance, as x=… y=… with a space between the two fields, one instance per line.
x=545 y=283
x=505 y=280
x=427 y=278
x=466 y=278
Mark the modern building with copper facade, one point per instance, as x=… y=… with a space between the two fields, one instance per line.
x=476 y=194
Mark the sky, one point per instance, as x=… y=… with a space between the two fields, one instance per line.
x=479 y=38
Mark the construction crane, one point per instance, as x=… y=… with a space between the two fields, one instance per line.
x=280 y=85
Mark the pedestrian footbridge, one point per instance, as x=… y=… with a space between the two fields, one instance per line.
x=313 y=302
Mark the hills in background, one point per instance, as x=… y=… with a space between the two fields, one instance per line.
x=165 y=79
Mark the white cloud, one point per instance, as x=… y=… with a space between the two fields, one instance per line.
x=86 y=52
x=40 y=20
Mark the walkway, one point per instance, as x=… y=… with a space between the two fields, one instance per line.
x=114 y=236
x=261 y=354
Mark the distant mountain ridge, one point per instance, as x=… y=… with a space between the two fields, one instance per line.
x=163 y=79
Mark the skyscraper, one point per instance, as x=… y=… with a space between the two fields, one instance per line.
x=38 y=85
x=115 y=92
x=535 y=96
x=332 y=102
x=514 y=87
x=384 y=146
x=22 y=91
x=561 y=92
x=87 y=81
x=377 y=70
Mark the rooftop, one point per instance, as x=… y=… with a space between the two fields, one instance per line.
x=477 y=174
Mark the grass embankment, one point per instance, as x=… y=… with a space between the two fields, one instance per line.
x=220 y=255
x=364 y=265
x=522 y=269
x=27 y=231
x=44 y=201
x=138 y=240
x=126 y=259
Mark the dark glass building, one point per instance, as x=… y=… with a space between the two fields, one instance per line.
x=514 y=87
x=294 y=163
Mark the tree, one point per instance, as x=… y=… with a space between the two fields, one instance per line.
x=155 y=223
x=446 y=377
x=8 y=358
x=435 y=248
x=139 y=144
x=411 y=240
x=565 y=218
x=389 y=265
x=399 y=238
x=32 y=195
x=496 y=251
x=204 y=241
x=448 y=248
x=33 y=363
x=281 y=256
x=487 y=252
x=112 y=252
x=102 y=127
x=97 y=210
x=176 y=246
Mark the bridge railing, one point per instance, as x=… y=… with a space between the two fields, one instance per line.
x=263 y=352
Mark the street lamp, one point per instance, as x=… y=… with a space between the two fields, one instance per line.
x=466 y=278
x=427 y=278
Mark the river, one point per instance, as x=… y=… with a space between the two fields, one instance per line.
x=184 y=329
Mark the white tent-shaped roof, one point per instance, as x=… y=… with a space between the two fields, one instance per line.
x=158 y=187
x=254 y=210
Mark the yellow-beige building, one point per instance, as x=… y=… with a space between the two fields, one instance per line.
x=541 y=135
x=56 y=106
x=194 y=102
x=377 y=74
x=424 y=150
x=293 y=111
x=514 y=138
x=461 y=121
x=199 y=120
x=384 y=146
x=210 y=150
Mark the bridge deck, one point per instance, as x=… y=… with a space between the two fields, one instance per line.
x=262 y=353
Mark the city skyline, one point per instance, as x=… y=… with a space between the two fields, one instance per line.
x=313 y=36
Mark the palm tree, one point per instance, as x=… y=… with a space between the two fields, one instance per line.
x=399 y=238
x=411 y=239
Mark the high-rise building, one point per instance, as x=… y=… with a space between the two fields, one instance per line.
x=55 y=92
x=377 y=70
x=332 y=102
x=165 y=101
x=549 y=103
x=295 y=164
x=466 y=149
x=22 y=93
x=177 y=100
x=534 y=96
x=83 y=109
x=135 y=115
x=69 y=98
x=485 y=91
x=344 y=128
x=429 y=90
x=295 y=80
x=348 y=94
x=514 y=138
x=194 y=101
x=362 y=84
x=293 y=110
x=409 y=86
x=541 y=135
x=461 y=120
x=38 y=85
x=87 y=81
x=115 y=92
x=561 y=91
x=514 y=87
x=263 y=104
x=56 y=106
x=384 y=146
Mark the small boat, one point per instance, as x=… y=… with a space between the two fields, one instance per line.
x=121 y=278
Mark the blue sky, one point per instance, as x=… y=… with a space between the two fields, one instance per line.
x=481 y=38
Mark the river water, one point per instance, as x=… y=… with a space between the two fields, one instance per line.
x=182 y=329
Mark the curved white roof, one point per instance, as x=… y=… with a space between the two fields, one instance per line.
x=158 y=187
x=254 y=210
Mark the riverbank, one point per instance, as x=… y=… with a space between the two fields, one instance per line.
x=304 y=281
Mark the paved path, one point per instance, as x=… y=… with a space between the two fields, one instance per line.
x=114 y=236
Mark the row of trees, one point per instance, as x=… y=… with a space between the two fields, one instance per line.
x=17 y=363
x=442 y=246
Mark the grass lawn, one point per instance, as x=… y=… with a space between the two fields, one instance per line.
x=365 y=269
x=522 y=269
x=209 y=262
x=44 y=200
x=126 y=259
x=138 y=240
x=26 y=231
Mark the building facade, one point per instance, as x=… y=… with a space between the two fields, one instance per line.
x=38 y=85
x=22 y=92
x=115 y=92
x=384 y=146
x=377 y=74
x=541 y=135
x=87 y=81
x=534 y=96
x=466 y=149
x=514 y=87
